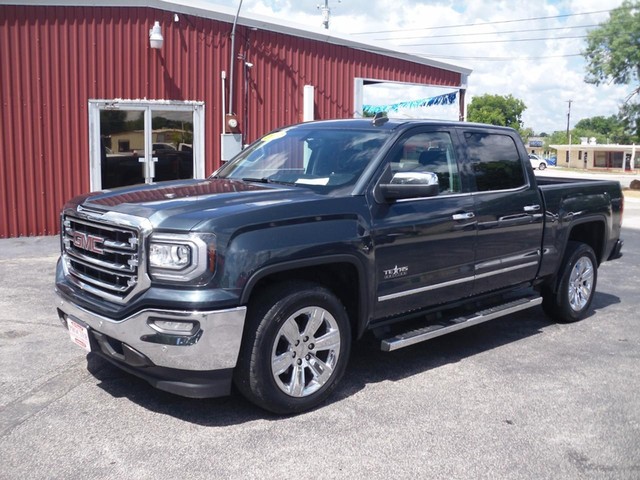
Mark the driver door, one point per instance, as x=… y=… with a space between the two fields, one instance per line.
x=424 y=247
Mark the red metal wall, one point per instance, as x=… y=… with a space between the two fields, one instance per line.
x=54 y=59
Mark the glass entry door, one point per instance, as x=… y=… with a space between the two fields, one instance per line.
x=145 y=142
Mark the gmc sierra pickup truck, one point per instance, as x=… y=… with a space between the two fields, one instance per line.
x=263 y=274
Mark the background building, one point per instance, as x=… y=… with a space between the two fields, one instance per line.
x=590 y=155
x=79 y=81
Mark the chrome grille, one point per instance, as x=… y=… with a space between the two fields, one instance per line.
x=100 y=256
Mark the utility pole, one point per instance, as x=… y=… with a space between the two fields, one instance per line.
x=326 y=13
x=568 y=134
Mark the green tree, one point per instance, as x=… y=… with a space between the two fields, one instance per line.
x=611 y=129
x=497 y=110
x=613 y=55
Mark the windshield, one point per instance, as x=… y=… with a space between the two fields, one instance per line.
x=316 y=157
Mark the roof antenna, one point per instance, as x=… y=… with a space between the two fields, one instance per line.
x=379 y=119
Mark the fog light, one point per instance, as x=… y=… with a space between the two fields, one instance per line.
x=175 y=327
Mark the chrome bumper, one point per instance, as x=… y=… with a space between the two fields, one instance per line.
x=214 y=346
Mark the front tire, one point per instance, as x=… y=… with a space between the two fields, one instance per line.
x=578 y=278
x=542 y=166
x=295 y=348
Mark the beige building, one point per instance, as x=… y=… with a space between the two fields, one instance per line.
x=590 y=155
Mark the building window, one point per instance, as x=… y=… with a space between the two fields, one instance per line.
x=600 y=159
x=579 y=154
x=123 y=145
x=156 y=141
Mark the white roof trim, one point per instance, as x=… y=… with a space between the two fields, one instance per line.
x=603 y=147
x=222 y=13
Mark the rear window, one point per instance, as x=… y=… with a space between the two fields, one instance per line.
x=495 y=161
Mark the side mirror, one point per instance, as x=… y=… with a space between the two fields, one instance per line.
x=411 y=185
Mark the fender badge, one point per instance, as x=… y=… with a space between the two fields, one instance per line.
x=395 y=272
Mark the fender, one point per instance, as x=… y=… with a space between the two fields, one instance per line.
x=364 y=302
x=566 y=235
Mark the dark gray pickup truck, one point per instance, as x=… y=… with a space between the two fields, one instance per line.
x=264 y=273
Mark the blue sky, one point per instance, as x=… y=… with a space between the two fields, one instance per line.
x=509 y=47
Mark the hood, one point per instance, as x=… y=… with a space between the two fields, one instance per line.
x=183 y=204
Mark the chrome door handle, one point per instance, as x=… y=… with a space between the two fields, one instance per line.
x=463 y=216
x=532 y=208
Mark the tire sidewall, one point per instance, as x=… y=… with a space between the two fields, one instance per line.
x=579 y=251
x=264 y=389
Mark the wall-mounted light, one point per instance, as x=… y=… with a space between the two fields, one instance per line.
x=155 y=36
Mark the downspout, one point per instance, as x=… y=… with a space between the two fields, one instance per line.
x=232 y=57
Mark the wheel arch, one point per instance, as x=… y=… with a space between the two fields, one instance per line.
x=344 y=275
x=591 y=231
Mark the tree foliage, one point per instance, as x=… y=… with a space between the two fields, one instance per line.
x=604 y=129
x=497 y=110
x=611 y=129
x=613 y=55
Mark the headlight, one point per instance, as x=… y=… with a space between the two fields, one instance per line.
x=169 y=256
x=181 y=258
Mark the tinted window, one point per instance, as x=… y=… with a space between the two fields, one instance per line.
x=429 y=152
x=495 y=161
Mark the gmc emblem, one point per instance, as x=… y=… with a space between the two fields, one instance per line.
x=90 y=243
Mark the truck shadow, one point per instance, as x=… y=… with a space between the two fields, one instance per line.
x=368 y=365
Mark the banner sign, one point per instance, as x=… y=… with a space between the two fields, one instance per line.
x=446 y=99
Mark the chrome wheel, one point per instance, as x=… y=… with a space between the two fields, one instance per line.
x=581 y=284
x=305 y=351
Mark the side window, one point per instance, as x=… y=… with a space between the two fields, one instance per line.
x=429 y=152
x=495 y=161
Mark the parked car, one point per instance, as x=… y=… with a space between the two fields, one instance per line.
x=536 y=162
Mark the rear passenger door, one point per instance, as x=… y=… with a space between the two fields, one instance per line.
x=508 y=210
x=424 y=247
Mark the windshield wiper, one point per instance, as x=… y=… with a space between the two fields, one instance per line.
x=257 y=180
x=266 y=180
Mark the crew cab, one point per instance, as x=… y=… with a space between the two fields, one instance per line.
x=317 y=234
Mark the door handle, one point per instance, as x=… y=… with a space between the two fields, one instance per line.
x=463 y=216
x=532 y=208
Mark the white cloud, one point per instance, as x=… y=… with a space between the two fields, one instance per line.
x=543 y=84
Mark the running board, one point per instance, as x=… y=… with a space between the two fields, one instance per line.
x=432 y=331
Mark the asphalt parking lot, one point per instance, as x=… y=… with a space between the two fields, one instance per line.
x=517 y=398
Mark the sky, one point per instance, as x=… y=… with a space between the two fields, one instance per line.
x=509 y=47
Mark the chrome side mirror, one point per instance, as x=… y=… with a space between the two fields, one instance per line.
x=411 y=185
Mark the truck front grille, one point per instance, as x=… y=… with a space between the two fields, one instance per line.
x=101 y=257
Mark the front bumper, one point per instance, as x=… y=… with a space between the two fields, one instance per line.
x=198 y=364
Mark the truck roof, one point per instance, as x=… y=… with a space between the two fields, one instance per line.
x=394 y=123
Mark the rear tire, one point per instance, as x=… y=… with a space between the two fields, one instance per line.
x=295 y=348
x=578 y=278
x=542 y=166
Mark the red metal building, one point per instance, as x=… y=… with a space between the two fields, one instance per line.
x=87 y=103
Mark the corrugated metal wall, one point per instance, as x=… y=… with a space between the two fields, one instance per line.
x=54 y=59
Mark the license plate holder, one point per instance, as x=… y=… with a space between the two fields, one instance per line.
x=79 y=334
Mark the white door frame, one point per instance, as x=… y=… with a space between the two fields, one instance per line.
x=147 y=106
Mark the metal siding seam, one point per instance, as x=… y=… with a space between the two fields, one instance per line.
x=9 y=127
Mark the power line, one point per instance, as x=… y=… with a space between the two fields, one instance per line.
x=491 y=41
x=530 y=30
x=484 y=23
x=495 y=59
